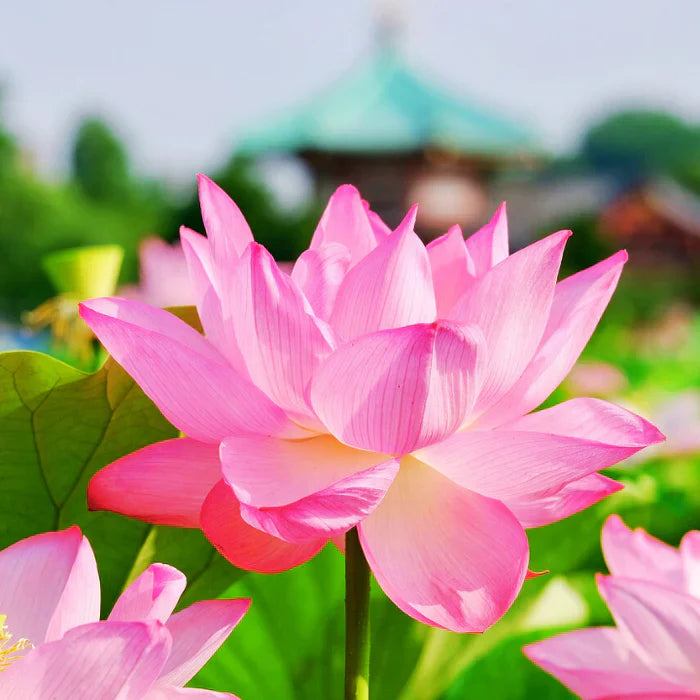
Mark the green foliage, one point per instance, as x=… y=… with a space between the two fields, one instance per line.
x=58 y=426
x=102 y=205
x=645 y=143
x=586 y=247
x=8 y=153
x=485 y=678
x=290 y=645
x=642 y=294
x=99 y=163
x=105 y=204
x=37 y=218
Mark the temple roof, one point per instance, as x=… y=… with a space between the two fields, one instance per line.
x=384 y=106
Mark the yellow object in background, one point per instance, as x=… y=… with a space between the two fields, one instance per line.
x=77 y=274
x=84 y=273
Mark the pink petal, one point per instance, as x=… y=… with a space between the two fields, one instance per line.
x=226 y=227
x=197 y=632
x=676 y=695
x=272 y=472
x=591 y=419
x=396 y=390
x=80 y=599
x=345 y=221
x=301 y=490
x=635 y=554
x=164 y=483
x=172 y=693
x=207 y=290
x=329 y=512
x=539 y=454
x=181 y=372
x=572 y=498
x=49 y=583
x=448 y=265
x=281 y=340
x=662 y=624
x=445 y=555
x=99 y=660
x=690 y=555
x=598 y=663
x=511 y=304
x=391 y=287
x=151 y=596
x=489 y=245
x=318 y=272
x=200 y=265
x=579 y=302
x=125 y=311
x=244 y=546
x=381 y=230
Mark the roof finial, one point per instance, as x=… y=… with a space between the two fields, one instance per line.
x=390 y=19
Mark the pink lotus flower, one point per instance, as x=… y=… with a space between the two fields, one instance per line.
x=653 y=593
x=52 y=644
x=381 y=385
x=164 y=280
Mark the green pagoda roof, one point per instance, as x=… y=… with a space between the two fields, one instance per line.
x=385 y=107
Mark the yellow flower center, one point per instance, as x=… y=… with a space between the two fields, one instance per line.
x=9 y=651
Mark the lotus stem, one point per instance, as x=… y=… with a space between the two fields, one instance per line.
x=357 y=580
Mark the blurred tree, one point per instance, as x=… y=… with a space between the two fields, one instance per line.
x=99 y=162
x=8 y=147
x=641 y=144
x=101 y=205
x=586 y=247
x=8 y=152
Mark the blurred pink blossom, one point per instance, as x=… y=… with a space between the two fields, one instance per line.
x=52 y=644
x=679 y=416
x=164 y=279
x=383 y=385
x=596 y=379
x=653 y=593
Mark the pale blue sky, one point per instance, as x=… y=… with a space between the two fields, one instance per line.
x=180 y=78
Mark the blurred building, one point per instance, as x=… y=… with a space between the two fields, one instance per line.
x=401 y=139
x=658 y=221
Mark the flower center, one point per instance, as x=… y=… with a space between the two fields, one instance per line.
x=9 y=651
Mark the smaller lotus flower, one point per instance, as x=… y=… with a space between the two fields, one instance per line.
x=653 y=593
x=164 y=277
x=52 y=644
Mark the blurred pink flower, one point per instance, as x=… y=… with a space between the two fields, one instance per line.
x=52 y=644
x=596 y=379
x=164 y=279
x=653 y=593
x=679 y=415
x=382 y=385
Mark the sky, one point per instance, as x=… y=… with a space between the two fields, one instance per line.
x=181 y=79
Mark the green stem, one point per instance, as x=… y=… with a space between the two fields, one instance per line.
x=356 y=619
